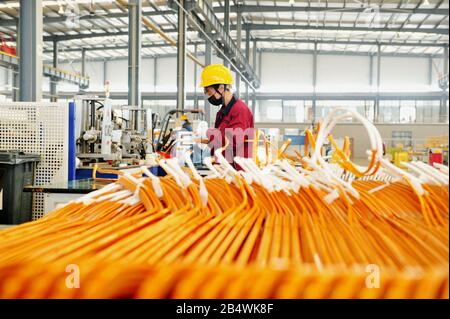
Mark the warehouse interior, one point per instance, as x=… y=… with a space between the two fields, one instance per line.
x=94 y=96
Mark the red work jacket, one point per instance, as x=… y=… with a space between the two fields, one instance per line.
x=235 y=122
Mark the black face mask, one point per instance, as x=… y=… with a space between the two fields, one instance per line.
x=216 y=101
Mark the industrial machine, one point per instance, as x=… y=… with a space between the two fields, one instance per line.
x=122 y=136
x=112 y=134
x=175 y=138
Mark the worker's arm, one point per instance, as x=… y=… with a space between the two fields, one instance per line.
x=201 y=140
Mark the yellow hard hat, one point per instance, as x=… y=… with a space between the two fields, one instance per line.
x=184 y=117
x=216 y=74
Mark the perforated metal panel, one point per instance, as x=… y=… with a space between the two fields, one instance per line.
x=38 y=128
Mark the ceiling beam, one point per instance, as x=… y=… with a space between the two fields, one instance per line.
x=260 y=27
x=245 y=9
x=267 y=8
x=110 y=15
x=397 y=44
x=120 y=47
x=276 y=40
x=253 y=27
x=349 y=53
x=268 y=50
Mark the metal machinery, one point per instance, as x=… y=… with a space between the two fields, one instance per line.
x=175 y=140
x=108 y=133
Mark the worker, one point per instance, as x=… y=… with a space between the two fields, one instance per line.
x=234 y=120
x=186 y=124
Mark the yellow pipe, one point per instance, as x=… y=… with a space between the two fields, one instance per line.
x=7 y=54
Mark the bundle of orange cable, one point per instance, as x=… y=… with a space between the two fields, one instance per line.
x=319 y=232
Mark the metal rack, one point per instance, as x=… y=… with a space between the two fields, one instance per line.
x=12 y=61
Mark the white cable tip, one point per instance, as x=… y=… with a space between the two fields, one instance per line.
x=203 y=193
x=156 y=183
x=331 y=197
x=378 y=188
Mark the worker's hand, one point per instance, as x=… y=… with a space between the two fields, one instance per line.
x=201 y=140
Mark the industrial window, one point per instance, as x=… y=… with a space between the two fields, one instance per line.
x=269 y=111
x=293 y=111
x=324 y=107
x=389 y=111
x=407 y=111
x=401 y=137
x=427 y=111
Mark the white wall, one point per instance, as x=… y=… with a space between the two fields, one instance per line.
x=117 y=75
x=286 y=72
x=280 y=72
x=404 y=74
x=147 y=69
x=338 y=73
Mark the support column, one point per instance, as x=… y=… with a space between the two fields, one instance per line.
x=208 y=58
x=15 y=70
x=30 y=38
x=195 y=79
x=376 y=108
x=83 y=66
x=155 y=73
x=181 y=57
x=105 y=71
x=226 y=23
x=255 y=50
x=260 y=63
x=247 y=55
x=15 y=84
x=83 y=62
x=134 y=57
x=54 y=80
x=366 y=109
x=430 y=71
x=238 y=43
x=314 y=83
x=443 y=112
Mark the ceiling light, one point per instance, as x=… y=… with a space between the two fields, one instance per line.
x=426 y=2
x=291 y=2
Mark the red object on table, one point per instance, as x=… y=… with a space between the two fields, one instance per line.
x=7 y=48
x=435 y=158
x=164 y=154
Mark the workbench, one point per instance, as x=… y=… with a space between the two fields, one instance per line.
x=61 y=193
